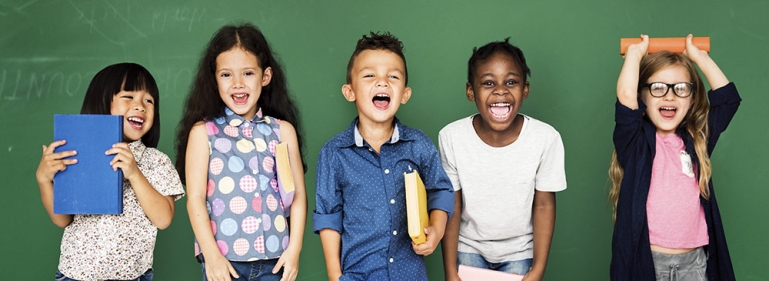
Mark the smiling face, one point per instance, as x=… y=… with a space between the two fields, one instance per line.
x=378 y=85
x=240 y=81
x=138 y=111
x=668 y=111
x=498 y=90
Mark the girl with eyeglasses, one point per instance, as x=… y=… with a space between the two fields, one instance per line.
x=667 y=222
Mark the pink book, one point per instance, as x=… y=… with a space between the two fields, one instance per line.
x=469 y=273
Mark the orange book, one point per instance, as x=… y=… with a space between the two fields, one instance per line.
x=470 y=273
x=673 y=44
x=416 y=207
x=285 y=176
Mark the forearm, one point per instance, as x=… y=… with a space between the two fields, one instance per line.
x=450 y=241
x=331 y=241
x=201 y=227
x=543 y=220
x=158 y=208
x=627 y=84
x=298 y=219
x=716 y=78
x=46 y=195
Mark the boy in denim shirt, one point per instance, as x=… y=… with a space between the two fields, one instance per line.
x=360 y=198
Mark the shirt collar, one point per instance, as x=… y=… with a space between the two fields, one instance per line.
x=357 y=138
x=235 y=120
x=137 y=148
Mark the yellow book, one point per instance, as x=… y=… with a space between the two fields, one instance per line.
x=416 y=207
x=285 y=176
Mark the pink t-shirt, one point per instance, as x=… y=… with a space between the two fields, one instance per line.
x=675 y=216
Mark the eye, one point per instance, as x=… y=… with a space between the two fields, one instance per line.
x=394 y=77
x=487 y=83
x=224 y=75
x=368 y=75
x=150 y=101
x=248 y=73
x=511 y=82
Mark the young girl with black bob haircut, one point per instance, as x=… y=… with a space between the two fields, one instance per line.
x=667 y=222
x=118 y=247
x=238 y=109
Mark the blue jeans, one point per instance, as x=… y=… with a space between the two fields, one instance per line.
x=147 y=276
x=260 y=270
x=520 y=267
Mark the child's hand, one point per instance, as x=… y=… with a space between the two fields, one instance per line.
x=219 y=268
x=694 y=54
x=123 y=160
x=289 y=260
x=52 y=163
x=532 y=276
x=433 y=237
x=638 y=51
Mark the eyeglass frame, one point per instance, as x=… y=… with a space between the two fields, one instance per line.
x=670 y=86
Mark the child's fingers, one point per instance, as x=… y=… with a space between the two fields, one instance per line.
x=233 y=273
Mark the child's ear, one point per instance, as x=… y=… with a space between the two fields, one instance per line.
x=406 y=95
x=266 y=76
x=469 y=92
x=348 y=93
x=526 y=90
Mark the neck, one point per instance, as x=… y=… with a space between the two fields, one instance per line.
x=376 y=134
x=498 y=138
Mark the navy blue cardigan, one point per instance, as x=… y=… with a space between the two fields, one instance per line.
x=634 y=140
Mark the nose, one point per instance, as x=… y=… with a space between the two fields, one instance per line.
x=500 y=89
x=382 y=83
x=237 y=81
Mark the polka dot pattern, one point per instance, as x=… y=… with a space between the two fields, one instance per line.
x=247 y=219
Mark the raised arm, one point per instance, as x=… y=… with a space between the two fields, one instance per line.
x=713 y=73
x=627 y=84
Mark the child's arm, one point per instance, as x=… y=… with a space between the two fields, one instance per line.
x=715 y=76
x=158 y=208
x=450 y=240
x=290 y=258
x=50 y=164
x=627 y=84
x=331 y=241
x=434 y=232
x=543 y=221
x=196 y=171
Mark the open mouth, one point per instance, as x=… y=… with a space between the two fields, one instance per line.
x=667 y=111
x=240 y=98
x=500 y=110
x=381 y=101
x=135 y=122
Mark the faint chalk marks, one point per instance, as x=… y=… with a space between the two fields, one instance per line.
x=92 y=23
x=128 y=23
x=6 y=7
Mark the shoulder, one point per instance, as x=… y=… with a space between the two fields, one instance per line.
x=456 y=126
x=540 y=128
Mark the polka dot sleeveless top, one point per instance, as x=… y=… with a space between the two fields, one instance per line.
x=242 y=198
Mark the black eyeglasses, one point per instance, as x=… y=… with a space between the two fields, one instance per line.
x=659 y=89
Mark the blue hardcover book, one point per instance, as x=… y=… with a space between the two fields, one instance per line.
x=90 y=186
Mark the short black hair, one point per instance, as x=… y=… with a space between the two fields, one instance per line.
x=484 y=52
x=115 y=78
x=378 y=41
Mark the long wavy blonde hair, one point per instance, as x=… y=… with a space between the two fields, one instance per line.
x=695 y=122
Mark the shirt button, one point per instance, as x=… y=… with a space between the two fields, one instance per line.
x=392 y=201
x=395 y=232
x=387 y=171
x=391 y=260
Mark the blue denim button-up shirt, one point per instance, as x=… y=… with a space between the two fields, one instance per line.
x=635 y=142
x=360 y=194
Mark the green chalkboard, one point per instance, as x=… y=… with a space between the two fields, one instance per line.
x=49 y=51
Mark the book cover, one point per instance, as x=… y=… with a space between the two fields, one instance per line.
x=470 y=273
x=416 y=207
x=90 y=186
x=285 y=176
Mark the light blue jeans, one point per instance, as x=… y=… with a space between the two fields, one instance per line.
x=520 y=267
x=147 y=276
x=260 y=270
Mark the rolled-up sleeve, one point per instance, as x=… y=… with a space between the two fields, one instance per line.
x=328 y=196
x=440 y=192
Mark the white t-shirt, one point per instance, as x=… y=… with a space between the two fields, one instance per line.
x=498 y=185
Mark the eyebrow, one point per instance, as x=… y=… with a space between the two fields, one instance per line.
x=508 y=74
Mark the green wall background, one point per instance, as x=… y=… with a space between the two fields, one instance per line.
x=49 y=51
